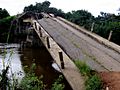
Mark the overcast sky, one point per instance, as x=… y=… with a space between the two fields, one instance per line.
x=93 y=6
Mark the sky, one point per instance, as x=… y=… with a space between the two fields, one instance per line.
x=94 y=6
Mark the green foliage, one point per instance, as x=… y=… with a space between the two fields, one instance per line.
x=44 y=7
x=104 y=23
x=92 y=82
x=39 y=7
x=3 y=13
x=84 y=69
x=29 y=82
x=32 y=82
x=4 y=27
x=80 y=17
x=4 y=81
x=57 y=84
x=107 y=22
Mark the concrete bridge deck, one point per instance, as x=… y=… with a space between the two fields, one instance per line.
x=70 y=71
x=80 y=46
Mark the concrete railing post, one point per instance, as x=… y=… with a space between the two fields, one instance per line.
x=40 y=31
x=92 y=26
x=61 y=60
x=110 y=35
x=48 y=43
x=35 y=25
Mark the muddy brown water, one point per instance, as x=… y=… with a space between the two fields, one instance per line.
x=28 y=56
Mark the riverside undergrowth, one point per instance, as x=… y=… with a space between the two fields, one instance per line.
x=93 y=81
x=29 y=82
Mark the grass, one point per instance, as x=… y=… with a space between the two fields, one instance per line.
x=92 y=80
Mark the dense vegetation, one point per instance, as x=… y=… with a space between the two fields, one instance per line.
x=44 y=7
x=92 y=80
x=80 y=17
x=29 y=82
x=102 y=26
x=3 y=13
x=107 y=22
x=5 y=22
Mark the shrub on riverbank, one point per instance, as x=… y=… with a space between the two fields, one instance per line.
x=29 y=82
x=5 y=24
x=93 y=81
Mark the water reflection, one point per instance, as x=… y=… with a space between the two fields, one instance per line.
x=10 y=57
x=43 y=61
x=17 y=58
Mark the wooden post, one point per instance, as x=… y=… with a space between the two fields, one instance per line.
x=48 y=43
x=40 y=31
x=110 y=35
x=92 y=26
x=35 y=25
x=61 y=60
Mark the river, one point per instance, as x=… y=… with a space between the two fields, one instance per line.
x=19 y=57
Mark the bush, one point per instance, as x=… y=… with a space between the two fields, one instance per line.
x=57 y=84
x=32 y=82
x=84 y=69
x=92 y=82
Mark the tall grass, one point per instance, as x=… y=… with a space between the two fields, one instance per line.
x=92 y=80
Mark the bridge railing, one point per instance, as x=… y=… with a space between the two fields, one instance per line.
x=94 y=36
x=67 y=67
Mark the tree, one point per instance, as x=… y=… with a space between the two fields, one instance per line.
x=5 y=27
x=81 y=17
x=56 y=12
x=30 y=8
x=38 y=7
x=107 y=22
x=46 y=4
x=3 y=13
x=44 y=7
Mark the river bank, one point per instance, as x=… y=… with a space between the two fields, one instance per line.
x=26 y=57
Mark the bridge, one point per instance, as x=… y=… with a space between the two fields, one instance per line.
x=67 y=42
x=98 y=53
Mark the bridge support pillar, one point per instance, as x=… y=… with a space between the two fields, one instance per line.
x=61 y=60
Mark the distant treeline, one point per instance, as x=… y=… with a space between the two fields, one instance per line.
x=102 y=25
x=44 y=7
x=5 y=22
